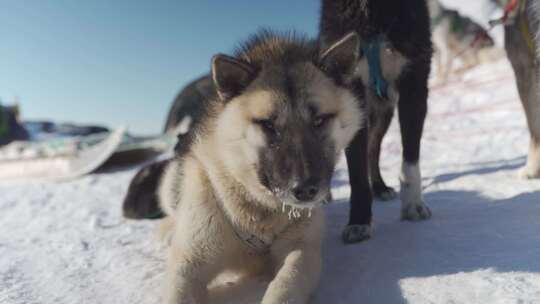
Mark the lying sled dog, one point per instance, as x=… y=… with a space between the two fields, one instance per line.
x=260 y=158
x=522 y=39
x=396 y=42
x=141 y=201
x=186 y=109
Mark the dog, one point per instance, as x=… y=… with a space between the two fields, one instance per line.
x=522 y=40
x=244 y=191
x=141 y=200
x=396 y=42
x=455 y=36
x=186 y=108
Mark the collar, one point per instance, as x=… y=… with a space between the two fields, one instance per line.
x=257 y=245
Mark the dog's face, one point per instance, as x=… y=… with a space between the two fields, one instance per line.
x=282 y=135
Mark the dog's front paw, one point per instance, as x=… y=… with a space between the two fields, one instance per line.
x=356 y=233
x=527 y=173
x=415 y=212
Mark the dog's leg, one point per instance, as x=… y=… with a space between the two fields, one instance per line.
x=191 y=265
x=532 y=169
x=443 y=54
x=438 y=64
x=297 y=277
x=182 y=289
x=531 y=103
x=526 y=72
x=470 y=60
x=359 y=227
x=448 y=62
x=412 y=108
x=186 y=280
x=379 y=122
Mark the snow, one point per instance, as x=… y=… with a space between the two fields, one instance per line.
x=68 y=243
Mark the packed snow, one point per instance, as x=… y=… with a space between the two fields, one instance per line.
x=68 y=243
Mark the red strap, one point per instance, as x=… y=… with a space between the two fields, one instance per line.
x=481 y=35
x=509 y=8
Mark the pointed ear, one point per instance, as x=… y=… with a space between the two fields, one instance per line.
x=340 y=59
x=230 y=75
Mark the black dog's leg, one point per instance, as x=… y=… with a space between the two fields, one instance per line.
x=380 y=120
x=359 y=227
x=412 y=108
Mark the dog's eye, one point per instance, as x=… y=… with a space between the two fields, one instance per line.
x=321 y=120
x=266 y=125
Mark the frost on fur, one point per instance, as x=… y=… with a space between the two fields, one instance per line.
x=295 y=212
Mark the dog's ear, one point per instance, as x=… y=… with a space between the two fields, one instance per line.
x=230 y=75
x=340 y=59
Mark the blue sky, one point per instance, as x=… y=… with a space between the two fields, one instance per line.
x=122 y=62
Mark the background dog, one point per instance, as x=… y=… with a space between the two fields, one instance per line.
x=396 y=41
x=186 y=108
x=266 y=142
x=455 y=37
x=141 y=201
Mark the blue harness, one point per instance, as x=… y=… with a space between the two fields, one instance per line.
x=376 y=79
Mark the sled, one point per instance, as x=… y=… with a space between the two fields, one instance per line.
x=58 y=159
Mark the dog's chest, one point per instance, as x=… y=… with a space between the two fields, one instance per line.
x=380 y=68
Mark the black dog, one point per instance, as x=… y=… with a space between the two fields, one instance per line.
x=141 y=200
x=396 y=45
x=187 y=106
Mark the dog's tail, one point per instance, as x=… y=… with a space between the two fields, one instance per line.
x=141 y=201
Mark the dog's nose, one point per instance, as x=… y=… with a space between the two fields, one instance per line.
x=306 y=191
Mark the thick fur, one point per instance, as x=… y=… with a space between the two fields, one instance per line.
x=527 y=68
x=405 y=55
x=141 y=201
x=281 y=114
x=453 y=35
x=186 y=108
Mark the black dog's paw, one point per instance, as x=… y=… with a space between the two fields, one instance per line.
x=415 y=212
x=356 y=233
x=385 y=193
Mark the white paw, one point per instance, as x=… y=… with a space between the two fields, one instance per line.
x=527 y=173
x=356 y=233
x=415 y=212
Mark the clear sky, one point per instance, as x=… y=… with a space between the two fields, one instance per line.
x=121 y=62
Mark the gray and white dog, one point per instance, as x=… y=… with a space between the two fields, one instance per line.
x=240 y=192
x=522 y=39
x=455 y=37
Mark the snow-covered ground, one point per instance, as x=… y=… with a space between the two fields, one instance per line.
x=68 y=243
